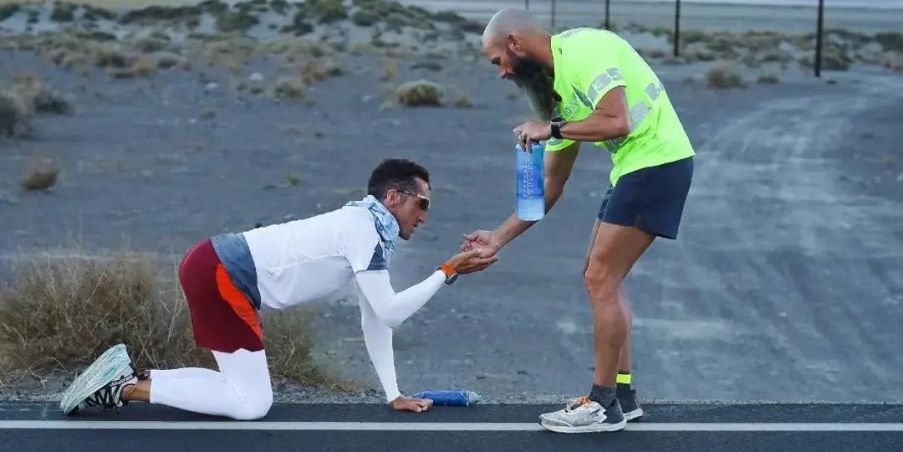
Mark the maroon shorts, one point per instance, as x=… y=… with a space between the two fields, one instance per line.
x=222 y=317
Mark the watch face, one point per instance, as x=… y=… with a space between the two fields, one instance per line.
x=556 y=129
x=452 y=279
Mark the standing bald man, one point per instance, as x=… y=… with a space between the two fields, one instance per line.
x=589 y=85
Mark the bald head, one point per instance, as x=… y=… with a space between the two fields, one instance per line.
x=521 y=50
x=511 y=21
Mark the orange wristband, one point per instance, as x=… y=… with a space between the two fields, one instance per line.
x=448 y=269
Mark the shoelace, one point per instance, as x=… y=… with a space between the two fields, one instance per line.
x=106 y=397
x=578 y=402
x=110 y=396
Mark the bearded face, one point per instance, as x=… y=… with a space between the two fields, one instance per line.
x=536 y=81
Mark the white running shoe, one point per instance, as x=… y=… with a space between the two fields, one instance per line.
x=101 y=383
x=584 y=416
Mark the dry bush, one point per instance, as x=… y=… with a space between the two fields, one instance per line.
x=365 y=18
x=390 y=69
x=419 y=93
x=289 y=88
x=836 y=58
x=724 y=75
x=769 y=79
x=894 y=61
x=140 y=66
x=74 y=59
x=41 y=97
x=289 y=343
x=167 y=60
x=890 y=40
x=652 y=53
x=7 y=10
x=328 y=10
x=464 y=101
x=41 y=176
x=63 y=12
x=230 y=53
x=144 y=66
x=15 y=116
x=151 y=44
x=236 y=21
x=110 y=56
x=60 y=313
x=319 y=69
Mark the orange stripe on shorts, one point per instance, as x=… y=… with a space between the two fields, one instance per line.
x=237 y=300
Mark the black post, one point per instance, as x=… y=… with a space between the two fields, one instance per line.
x=553 y=16
x=607 y=23
x=818 y=37
x=527 y=4
x=677 y=28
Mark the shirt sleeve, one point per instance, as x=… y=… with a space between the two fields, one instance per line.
x=393 y=308
x=597 y=68
x=378 y=339
x=555 y=144
x=382 y=309
x=360 y=245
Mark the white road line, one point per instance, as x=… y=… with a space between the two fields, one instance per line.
x=441 y=426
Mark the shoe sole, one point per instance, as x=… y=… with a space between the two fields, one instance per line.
x=594 y=428
x=110 y=365
x=635 y=414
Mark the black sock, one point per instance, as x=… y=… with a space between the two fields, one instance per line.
x=603 y=395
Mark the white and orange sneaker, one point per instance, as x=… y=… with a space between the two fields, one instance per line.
x=584 y=416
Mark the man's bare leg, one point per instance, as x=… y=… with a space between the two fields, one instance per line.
x=139 y=391
x=624 y=359
x=615 y=250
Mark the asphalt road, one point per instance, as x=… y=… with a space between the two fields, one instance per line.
x=710 y=426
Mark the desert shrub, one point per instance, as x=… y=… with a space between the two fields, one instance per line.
x=419 y=93
x=768 y=79
x=890 y=40
x=41 y=176
x=724 y=75
x=63 y=12
x=58 y=314
x=15 y=116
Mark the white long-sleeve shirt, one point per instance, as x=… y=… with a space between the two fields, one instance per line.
x=381 y=310
x=306 y=260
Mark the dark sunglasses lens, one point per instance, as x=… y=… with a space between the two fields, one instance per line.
x=425 y=204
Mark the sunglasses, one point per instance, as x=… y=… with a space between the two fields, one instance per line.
x=424 y=201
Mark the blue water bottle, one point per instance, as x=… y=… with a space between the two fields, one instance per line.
x=450 y=398
x=531 y=203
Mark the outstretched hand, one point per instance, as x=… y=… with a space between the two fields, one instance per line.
x=471 y=260
x=488 y=245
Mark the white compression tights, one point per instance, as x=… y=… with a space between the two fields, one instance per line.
x=240 y=390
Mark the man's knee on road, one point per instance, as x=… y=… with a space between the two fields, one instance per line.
x=255 y=407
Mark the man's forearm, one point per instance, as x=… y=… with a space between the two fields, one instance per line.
x=393 y=308
x=514 y=226
x=596 y=128
x=378 y=340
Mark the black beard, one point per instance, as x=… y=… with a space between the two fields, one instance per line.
x=537 y=83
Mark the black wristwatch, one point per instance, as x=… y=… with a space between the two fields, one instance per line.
x=556 y=127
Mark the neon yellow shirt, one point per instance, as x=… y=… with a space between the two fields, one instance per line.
x=588 y=64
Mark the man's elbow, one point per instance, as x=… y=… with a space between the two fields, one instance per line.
x=389 y=320
x=620 y=126
x=382 y=318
